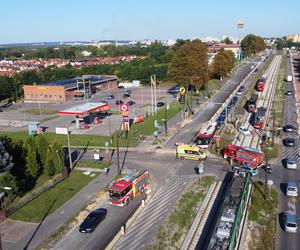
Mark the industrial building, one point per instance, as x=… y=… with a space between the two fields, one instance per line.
x=60 y=91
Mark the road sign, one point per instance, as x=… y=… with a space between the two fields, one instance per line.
x=182 y=90
x=61 y=131
x=124 y=107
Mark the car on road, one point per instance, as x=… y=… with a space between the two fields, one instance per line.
x=240 y=90
x=256 y=70
x=110 y=97
x=288 y=92
x=126 y=95
x=290 y=222
x=190 y=152
x=289 y=142
x=131 y=102
x=118 y=102
x=160 y=104
x=121 y=87
x=289 y=128
x=92 y=220
x=246 y=168
x=104 y=101
x=244 y=131
x=292 y=189
x=128 y=92
x=291 y=163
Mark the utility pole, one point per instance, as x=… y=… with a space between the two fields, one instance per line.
x=155 y=100
x=118 y=152
x=109 y=125
x=166 y=119
x=70 y=155
x=151 y=89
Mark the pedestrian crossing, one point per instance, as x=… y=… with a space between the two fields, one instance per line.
x=145 y=227
x=291 y=151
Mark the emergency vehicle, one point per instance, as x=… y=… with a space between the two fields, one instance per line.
x=244 y=155
x=190 y=152
x=128 y=187
x=252 y=103
x=206 y=135
x=259 y=118
x=260 y=86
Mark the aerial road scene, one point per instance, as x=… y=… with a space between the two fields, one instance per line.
x=149 y=125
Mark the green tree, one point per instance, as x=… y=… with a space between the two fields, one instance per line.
x=252 y=44
x=8 y=180
x=49 y=167
x=227 y=40
x=190 y=64
x=6 y=161
x=42 y=147
x=58 y=157
x=33 y=167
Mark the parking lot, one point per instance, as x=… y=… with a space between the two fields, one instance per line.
x=17 y=116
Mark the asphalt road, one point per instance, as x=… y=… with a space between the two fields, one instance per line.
x=163 y=166
x=287 y=240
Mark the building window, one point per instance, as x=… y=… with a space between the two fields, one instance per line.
x=50 y=96
x=46 y=96
x=60 y=96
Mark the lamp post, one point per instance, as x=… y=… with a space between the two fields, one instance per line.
x=240 y=26
x=2 y=195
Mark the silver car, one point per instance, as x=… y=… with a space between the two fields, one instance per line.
x=291 y=163
x=290 y=222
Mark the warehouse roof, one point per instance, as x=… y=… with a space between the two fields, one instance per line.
x=72 y=83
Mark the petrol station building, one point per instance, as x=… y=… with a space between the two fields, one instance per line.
x=61 y=91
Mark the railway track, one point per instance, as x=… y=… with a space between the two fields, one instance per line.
x=264 y=100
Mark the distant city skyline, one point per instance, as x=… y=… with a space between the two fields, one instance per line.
x=53 y=21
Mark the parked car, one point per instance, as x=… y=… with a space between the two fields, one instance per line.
x=160 y=104
x=110 y=97
x=288 y=92
x=240 y=90
x=128 y=92
x=289 y=142
x=131 y=102
x=256 y=70
x=244 y=131
x=291 y=189
x=118 y=102
x=291 y=163
x=92 y=220
x=104 y=101
x=290 y=222
x=121 y=87
x=126 y=95
x=289 y=128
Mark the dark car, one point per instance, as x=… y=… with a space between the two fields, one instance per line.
x=289 y=128
x=174 y=90
x=118 y=102
x=92 y=220
x=289 y=142
x=110 y=97
x=288 y=92
x=256 y=70
x=126 y=95
x=267 y=168
x=160 y=104
x=121 y=87
x=130 y=103
x=128 y=92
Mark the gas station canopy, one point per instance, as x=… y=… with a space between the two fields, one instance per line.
x=85 y=108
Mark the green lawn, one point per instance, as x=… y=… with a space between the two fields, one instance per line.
x=52 y=199
x=92 y=164
x=264 y=214
x=44 y=111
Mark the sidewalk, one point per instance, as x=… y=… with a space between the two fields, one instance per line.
x=63 y=214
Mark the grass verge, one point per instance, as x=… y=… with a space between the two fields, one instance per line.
x=93 y=164
x=43 y=111
x=263 y=218
x=49 y=201
x=171 y=234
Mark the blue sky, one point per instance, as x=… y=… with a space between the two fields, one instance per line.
x=66 y=20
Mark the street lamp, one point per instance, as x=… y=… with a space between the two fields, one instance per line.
x=2 y=195
x=240 y=26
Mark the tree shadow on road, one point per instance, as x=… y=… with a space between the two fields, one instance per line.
x=38 y=227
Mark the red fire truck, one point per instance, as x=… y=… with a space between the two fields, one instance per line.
x=260 y=86
x=244 y=155
x=259 y=118
x=128 y=187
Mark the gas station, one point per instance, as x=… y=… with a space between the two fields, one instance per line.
x=83 y=113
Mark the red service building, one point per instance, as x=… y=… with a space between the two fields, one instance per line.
x=61 y=91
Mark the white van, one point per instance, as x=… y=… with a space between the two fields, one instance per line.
x=291 y=189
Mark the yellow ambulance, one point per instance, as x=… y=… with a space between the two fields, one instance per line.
x=190 y=152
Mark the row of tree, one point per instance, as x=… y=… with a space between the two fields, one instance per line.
x=22 y=163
